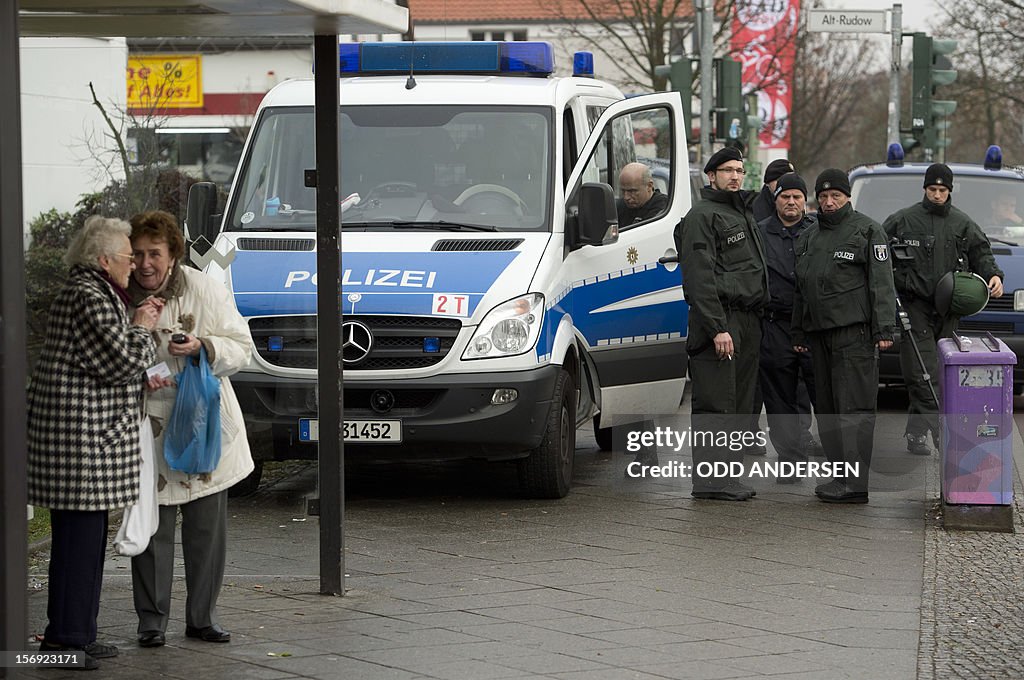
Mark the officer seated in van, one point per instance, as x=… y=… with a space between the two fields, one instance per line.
x=1004 y=211
x=640 y=200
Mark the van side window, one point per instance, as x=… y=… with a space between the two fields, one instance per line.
x=634 y=157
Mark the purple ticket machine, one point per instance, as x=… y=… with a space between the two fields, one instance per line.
x=976 y=377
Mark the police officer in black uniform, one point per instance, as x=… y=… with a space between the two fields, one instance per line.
x=782 y=369
x=725 y=282
x=763 y=206
x=933 y=238
x=844 y=310
x=640 y=200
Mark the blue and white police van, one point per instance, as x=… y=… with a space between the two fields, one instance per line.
x=491 y=303
x=991 y=194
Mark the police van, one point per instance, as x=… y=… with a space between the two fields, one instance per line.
x=993 y=196
x=490 y=302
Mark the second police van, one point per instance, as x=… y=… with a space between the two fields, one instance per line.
x=490 y=302
x=993 y=196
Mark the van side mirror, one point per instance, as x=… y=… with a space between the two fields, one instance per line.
x=598 y=221
x=202 y=203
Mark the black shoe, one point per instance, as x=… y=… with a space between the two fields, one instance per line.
x=152 y=638
x=917 y=444
x=742 y=487
x=756 y=449
x=812 y=447
x=212 y=633
x=646 y=457
x=839 y=492
x=730 y=492
x=89 y=663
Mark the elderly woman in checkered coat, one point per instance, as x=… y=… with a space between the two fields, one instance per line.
x=83 y=424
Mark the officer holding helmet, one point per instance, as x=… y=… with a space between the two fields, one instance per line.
x=931 y=240
x=844 y=310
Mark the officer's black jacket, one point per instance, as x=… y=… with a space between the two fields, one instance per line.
x=722 y=260
x=763 y=206
x=780 y=256
x=843 y=276
x=941 y=238
x=654 y=206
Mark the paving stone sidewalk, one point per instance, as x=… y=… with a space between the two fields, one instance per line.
x=452 y=575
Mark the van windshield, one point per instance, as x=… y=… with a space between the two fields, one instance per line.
x=415 y=167
x=995 y=203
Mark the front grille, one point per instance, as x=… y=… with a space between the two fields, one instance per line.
x=476 y=244
x=996 y=328
x=280 y=244
x=1000 y=304
x=397 y=341
x=359 y=399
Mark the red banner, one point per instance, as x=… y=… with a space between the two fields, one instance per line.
x=764 y=41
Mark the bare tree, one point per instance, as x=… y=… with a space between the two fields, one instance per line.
x=988 y=90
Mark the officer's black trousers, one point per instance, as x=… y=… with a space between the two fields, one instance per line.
x=782 y=371
x=928 y=327
x=723 y=392
x=846 y=388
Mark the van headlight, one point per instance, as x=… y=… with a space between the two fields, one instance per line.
x=1018 y=300
x=510 y=328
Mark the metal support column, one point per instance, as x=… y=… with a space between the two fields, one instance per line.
x=328 y=309
x=895 y=69
x=13 y=508
x=707 y=53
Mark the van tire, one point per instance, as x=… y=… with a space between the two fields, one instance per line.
x=248 y=486
x=603 y=435
x=547 y=471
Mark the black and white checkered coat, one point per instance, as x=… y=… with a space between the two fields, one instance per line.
x=83 y=402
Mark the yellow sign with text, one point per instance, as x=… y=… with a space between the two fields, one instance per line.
x=165 y=81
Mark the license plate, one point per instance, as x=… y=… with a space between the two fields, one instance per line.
x=356 y=431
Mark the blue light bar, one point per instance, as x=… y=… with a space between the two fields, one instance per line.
x=509 y=58
x=994 y=158
x=431 y=344
x=583 y=64
x=894 y=156
x=275 y=343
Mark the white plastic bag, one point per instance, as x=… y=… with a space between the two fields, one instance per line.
x=140 y=521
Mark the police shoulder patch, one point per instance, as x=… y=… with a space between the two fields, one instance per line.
x=881 y=252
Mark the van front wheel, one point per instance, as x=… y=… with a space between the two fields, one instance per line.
x=547 y=471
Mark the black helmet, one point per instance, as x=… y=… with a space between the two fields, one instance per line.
x=960 y=294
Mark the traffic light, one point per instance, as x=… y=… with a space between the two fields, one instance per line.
x=680 y=78
x=930 y=116
x=730 y=122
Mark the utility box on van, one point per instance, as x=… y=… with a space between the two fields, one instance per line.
x=491 y=301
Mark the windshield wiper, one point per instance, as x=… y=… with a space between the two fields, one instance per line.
x=1005 y=243
x=442 y=225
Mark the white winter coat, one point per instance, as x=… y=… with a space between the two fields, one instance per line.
x=200 y=306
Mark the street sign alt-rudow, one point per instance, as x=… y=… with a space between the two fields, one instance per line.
x=846 y=21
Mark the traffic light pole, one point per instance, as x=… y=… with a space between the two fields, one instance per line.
x=894 y=73
x=707 y=53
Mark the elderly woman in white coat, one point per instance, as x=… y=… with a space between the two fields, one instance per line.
x=202 y=309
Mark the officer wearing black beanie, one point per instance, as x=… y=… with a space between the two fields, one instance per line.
x=725 y=284
x=786 y=376
x=764 y=204
x=844 y=311
x=936 y=238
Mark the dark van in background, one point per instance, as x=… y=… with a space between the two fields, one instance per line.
x=994 y=197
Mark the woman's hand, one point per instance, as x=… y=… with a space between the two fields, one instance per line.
x=148 y=313
x=156 y=382
x=189 y=348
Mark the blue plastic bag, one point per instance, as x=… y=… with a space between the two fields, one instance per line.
x=192 y=438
